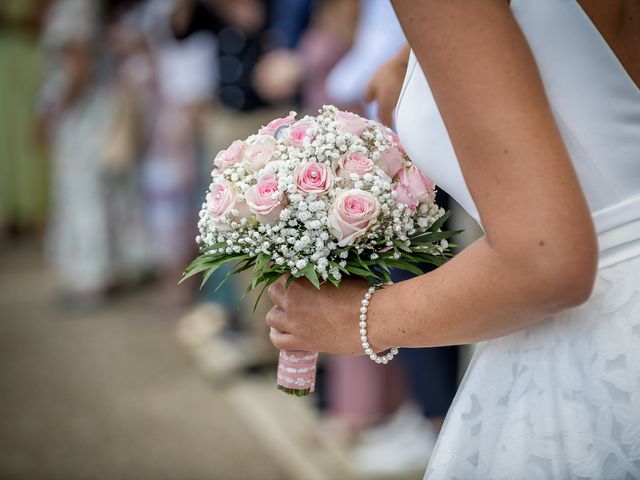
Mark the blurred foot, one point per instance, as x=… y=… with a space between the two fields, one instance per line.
x=201 y=323
x=400 y=446
x=220 y=354
x=334 y=431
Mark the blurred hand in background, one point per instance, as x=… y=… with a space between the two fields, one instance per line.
x=386 y=84
x=278 y=75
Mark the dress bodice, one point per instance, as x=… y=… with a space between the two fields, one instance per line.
x=596 y=105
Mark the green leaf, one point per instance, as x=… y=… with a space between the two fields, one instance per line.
x=402 y=246
x=255 y=305
x=334 y=265
x=432 y=237
x=268 y=282
x=440 y=222
x=243 y=265
x=334 y=282
x=215 y=247
x=405 y=266
x=358 y=262
x=209 y=263
x=197 y=266
x=433 y=259
x=353 y=270
x=289 y=281
x=261 y=262
x=207 y=275
x=310 y=272
x=386 y=276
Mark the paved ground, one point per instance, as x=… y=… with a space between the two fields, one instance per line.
x=109 y=395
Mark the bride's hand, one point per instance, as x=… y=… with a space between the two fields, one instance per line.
x=324 y=320
x=386 y=84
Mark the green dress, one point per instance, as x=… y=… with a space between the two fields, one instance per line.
x=23 y=166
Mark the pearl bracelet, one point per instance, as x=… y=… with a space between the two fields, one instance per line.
x=364 y=340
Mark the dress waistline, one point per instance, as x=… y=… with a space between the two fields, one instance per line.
x=619 y=243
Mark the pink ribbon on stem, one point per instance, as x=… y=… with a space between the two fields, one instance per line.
x=297 y=371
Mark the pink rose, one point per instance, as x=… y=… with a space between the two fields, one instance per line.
x=315 y=178
x=417 y=184
x=274 y=125
x=391 y=161
x=220 y=201
x=351 y=215
x=354 y=163
x=394 y=138
x=403 y=196
x=413 y=188
x=258 y=153
x=264 y=199
x=302 y=129
x=229 y=157
x=352 y=123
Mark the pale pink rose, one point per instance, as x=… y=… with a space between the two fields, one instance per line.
x=315 y=178
x=404 y=196
x=274 y=125
x=354 y=163
x=391 y=161
x=302 y=129
x=258 y=153
x=393 y=137
x=220 y=201
x=417 y=184
x=351 y=215
x=352 y=123
x=229 y=157
x=264 y=199
x=413 y=188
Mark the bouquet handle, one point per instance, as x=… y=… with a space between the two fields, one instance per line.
x=297 y=372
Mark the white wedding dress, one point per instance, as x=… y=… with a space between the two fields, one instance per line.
x=559 y=400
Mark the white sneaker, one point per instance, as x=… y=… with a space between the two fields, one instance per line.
x=400 y=446
x=200 y=323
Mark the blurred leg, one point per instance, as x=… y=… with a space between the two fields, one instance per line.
x=432 y=377
x=362 y=393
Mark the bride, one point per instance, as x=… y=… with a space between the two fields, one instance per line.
x=528 y=113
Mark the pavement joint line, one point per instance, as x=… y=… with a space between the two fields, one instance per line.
x=253 y=408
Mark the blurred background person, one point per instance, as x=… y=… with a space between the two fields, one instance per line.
x=300 y=71
x=181 y=89
x=23 y=167
x=95 y=237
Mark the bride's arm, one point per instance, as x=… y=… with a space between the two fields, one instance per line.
x=539 y=253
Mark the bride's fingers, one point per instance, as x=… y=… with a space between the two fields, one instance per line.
x=370 y=91
x=277 y=318
x=276 y=292
x=385 y=110
x=282 y=280
x=283 y=341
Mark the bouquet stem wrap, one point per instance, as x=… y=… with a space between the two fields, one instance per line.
x=297 y=372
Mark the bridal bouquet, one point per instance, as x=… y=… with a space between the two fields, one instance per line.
x=318 y=197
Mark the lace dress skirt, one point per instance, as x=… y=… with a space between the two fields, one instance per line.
x=560 y=400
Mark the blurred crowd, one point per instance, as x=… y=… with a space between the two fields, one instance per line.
x=112 y=113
